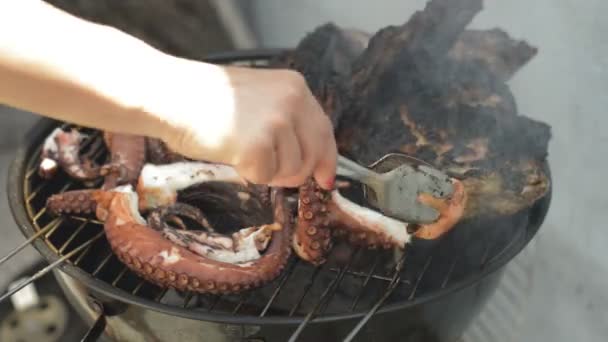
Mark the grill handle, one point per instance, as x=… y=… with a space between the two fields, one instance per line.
x=96 y=330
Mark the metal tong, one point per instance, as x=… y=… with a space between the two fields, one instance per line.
x=395 y=191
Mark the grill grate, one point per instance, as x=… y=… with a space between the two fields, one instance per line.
x=352 y=283
x=63 y=235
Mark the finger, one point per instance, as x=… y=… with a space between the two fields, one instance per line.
x=288 y=182
x=315 y=134
x=305 y=134
x=258 y=163
x=303 y=138
x=325 y=169
x=288 y=154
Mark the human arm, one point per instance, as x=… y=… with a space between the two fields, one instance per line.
x=264 y=122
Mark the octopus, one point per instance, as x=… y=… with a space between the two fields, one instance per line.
x=428 y=89
x=61 y=150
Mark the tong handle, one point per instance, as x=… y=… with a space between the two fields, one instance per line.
x=350 y=169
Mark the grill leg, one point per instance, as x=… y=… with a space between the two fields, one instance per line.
x=96 y=330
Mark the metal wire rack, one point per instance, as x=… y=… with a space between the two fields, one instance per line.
x=352 y=284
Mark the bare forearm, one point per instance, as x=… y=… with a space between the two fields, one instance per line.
x=265 y=122
x=63 y=67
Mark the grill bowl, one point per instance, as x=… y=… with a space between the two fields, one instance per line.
x=440 y=289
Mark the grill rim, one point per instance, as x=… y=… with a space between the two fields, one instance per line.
x=15 y=193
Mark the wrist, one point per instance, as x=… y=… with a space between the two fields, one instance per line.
x=190 y=105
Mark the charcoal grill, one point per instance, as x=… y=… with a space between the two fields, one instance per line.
x=430 y=293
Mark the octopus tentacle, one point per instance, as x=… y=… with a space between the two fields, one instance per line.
x=158 y=185
x=127 y=158
x=243 y=246
x=72 y=202
x=69 y=158
x=94 y=148
x=160 y=153
x=321 y=212
x=365 y=227
x=166 y=264
x=312 y=236
x=49 y=156
x=450 y=210
x=157 y=217
x=326 y=214
x=176 y=220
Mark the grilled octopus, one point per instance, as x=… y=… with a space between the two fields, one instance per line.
x=429 y=88
x=61 y=149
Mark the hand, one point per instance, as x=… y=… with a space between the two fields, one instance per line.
x=264 y=122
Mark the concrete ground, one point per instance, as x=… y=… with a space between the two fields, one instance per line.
x=566 y=85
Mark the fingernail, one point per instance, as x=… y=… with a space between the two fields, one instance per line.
x=330 y=184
